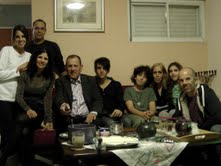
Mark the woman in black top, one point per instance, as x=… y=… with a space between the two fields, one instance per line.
x=34 y=95
x=159 y=85
x=111 y=91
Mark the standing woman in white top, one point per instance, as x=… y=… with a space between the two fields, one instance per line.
x=13 y=61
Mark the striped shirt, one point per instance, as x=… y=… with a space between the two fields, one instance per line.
x=79 y=106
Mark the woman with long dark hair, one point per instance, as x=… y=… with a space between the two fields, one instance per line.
x=34 y=95
x=173 y=86
x=13 y=61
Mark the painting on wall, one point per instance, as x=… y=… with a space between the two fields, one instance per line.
x=79 y=15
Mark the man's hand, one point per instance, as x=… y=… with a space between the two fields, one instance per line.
x=31 y=114
x=90 y=118
x=65 y=109
x=116 y=113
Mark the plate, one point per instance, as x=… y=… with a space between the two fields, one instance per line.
x=63 y=135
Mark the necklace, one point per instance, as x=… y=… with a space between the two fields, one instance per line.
x=139 y=96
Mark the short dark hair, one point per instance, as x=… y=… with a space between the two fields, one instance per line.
x=147 y=71
x=103 y=61
x=32 y=68
x=73 y=56
x=39 y=20
x=21 y=28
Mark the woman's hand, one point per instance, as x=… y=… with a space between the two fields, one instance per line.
x=31 y=114
x=22 y=67
x=116 y=113
x=48 y=126
x=144 y=115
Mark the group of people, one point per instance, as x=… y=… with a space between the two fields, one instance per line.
x=26 y=82
x=32 y=97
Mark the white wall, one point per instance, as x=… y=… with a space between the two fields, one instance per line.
x=114 y=44
x=214 y=41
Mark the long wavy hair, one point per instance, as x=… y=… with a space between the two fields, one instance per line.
x=171 y=83
x=32 y=67
x=164 y=78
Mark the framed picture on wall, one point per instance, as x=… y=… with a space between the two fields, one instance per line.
x=79 y=15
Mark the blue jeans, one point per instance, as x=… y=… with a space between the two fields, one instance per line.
x=216 y=128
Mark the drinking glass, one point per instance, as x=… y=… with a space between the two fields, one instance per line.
x=78 y=139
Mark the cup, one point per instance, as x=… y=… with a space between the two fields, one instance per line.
x=163 y=124
x=116 y=127
x=169 y=125
x=195 y=129
x=78 y=139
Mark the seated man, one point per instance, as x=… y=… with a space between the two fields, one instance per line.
x=77 y=96
x=198 y=102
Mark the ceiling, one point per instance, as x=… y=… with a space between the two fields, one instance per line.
x=14 y=2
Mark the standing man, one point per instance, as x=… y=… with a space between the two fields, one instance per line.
x=198 y=102
x=38 y=33
x=77 y=96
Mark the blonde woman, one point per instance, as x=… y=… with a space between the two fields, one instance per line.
x=159 y=85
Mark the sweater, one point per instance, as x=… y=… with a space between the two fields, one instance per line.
x=208 y=103
x=10 y=59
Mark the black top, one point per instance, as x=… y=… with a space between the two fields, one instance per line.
x=53 y=49
x=210 y=111
x=36 y=94
x=162 y=100
x=112 y=97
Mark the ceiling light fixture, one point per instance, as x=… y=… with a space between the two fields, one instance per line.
x=75 y=5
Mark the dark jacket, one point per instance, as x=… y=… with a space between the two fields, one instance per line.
x=112 y=97
x=90 y=90
x=208 y=103
x=53 y=49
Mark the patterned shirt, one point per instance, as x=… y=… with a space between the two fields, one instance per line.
x=79 y=106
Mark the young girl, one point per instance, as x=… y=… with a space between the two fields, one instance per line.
x=140 y=99
x=173 y=86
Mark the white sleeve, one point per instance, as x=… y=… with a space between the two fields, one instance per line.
x=5 y=72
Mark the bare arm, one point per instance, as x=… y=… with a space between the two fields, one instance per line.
x=133 y=110
x=152 y=109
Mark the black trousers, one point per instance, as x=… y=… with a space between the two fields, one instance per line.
x=25 y=131
x=8 y=114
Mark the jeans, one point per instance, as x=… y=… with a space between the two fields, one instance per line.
x=216 y=128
